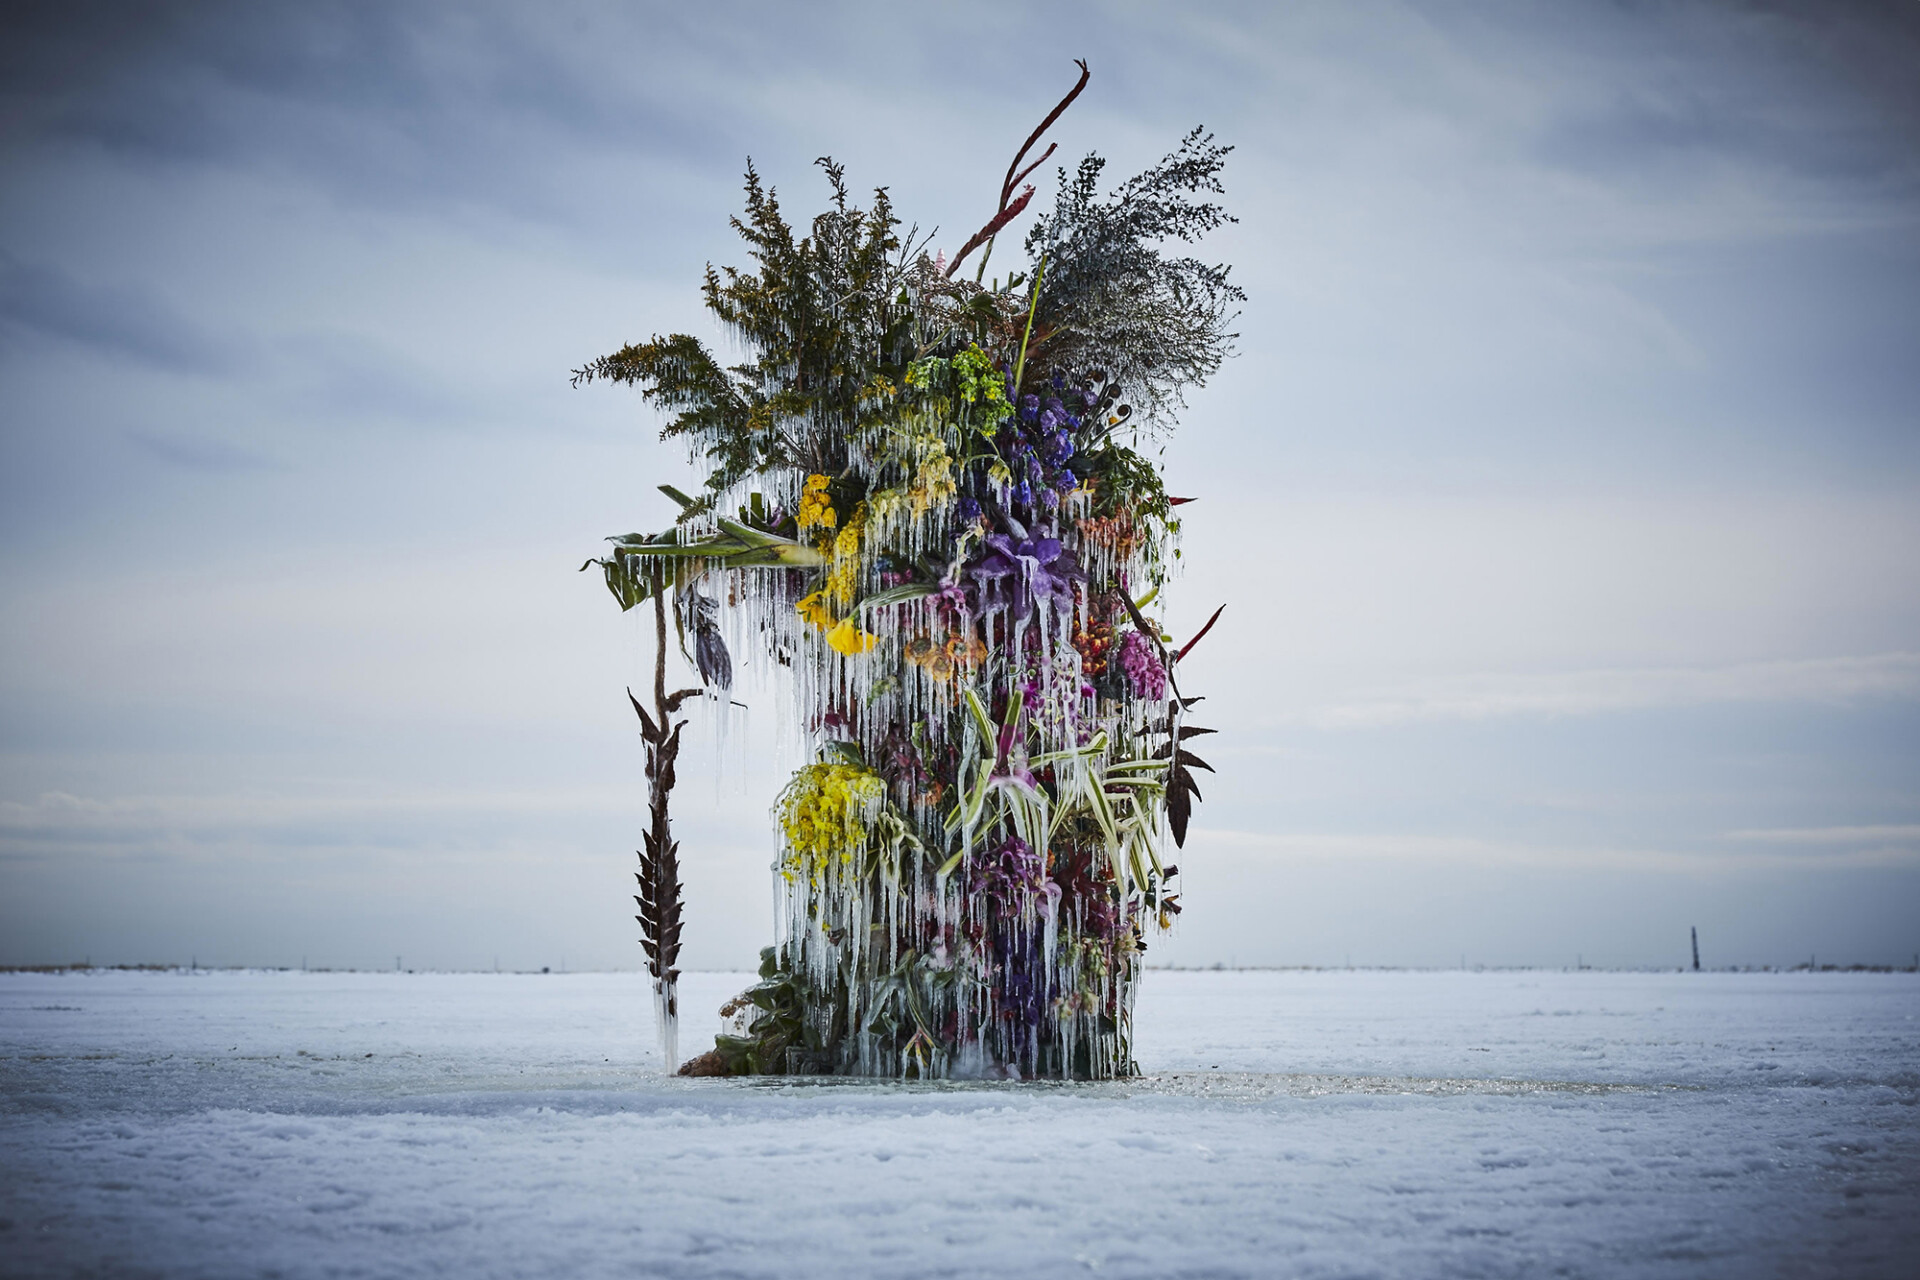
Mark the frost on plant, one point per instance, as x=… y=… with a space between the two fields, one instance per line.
x=926 y=502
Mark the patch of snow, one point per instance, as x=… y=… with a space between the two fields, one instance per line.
x=1300 y=1123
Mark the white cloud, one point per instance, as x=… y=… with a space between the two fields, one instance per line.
x=60 y=809
x=1899 y=848
x=1908 y=833
x=1845 y=679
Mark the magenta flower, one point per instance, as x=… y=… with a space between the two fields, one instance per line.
x=1145 y=676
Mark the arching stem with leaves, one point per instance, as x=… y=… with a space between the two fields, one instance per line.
x=659 y=874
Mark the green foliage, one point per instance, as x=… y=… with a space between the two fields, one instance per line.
x=899 y=1014
x=827 y=321
x=964 y=391
x=837 y=322
x=677 y=374
x=780 y=1038
x=1123 y=478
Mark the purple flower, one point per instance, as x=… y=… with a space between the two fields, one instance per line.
x=1010 y=873
x=1145 y=675
x=1017 y=575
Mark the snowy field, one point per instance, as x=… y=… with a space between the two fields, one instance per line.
x=1310 y=1124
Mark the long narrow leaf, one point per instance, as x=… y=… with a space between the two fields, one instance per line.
x=898 y=595
x=1202 y=635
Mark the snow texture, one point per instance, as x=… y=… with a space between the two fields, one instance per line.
x=1290 y=1124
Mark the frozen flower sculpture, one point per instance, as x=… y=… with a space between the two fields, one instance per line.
x=925 y=500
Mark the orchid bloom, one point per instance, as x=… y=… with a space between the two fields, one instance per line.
x=1019 y=574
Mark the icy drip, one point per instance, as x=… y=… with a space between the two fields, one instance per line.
x=666 y=1020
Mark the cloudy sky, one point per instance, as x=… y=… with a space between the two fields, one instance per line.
x=1564 y=497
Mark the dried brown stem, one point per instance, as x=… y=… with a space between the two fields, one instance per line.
x=1085 y=75
x=1006 y=212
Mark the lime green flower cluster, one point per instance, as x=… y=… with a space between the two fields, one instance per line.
x=826 y=813
x=970 y=375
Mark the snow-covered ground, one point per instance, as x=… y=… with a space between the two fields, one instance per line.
x=1312 y=1124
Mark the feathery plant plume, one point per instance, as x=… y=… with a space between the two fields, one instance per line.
x=1113 y=299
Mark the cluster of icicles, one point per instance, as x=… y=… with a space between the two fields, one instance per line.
x=968 y=866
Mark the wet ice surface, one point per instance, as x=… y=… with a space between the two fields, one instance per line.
x=1313 y=1124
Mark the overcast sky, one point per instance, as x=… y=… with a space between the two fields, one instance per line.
x=1564 y=497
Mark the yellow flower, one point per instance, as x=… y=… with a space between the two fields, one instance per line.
x=816 y=505
x=883 y=505
x=933 y=481
x=844 y=579
x=814 y=609
x=825 y=813
x=849 y=639
x=845 y=637
x=847 y=544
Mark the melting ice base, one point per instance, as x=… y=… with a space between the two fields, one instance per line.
x=1316 y=1124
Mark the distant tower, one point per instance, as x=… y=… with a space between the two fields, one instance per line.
x=1695 y=930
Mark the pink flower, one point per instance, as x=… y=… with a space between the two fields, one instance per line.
x=1145 y=675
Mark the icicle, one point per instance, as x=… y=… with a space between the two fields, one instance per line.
x=666 y=1020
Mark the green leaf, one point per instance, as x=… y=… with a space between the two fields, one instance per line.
x=898 y=595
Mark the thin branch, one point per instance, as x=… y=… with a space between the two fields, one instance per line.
x=1022 y=176
x=1006 y=189
x=660 y=642
x=986 y=233
x=1006 y=211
